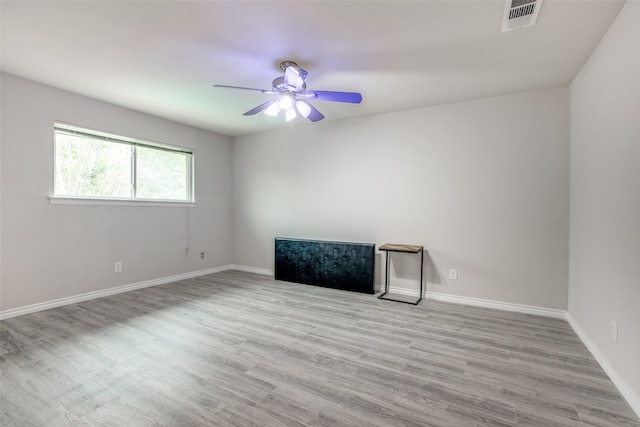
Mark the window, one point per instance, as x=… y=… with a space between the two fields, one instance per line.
x=97 y=165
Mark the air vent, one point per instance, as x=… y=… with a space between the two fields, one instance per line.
x=520 y=13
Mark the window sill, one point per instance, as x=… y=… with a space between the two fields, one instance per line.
x=117 y=202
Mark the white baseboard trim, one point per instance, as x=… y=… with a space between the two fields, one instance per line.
x=499 y=305
x=256 y=270
x=478 y=302
x=627 y=392
x=20 y=311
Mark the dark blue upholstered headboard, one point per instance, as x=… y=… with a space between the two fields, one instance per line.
x=341 y=265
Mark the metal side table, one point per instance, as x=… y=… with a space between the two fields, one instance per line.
x=413 y=249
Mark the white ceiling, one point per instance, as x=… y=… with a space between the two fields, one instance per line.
x=163 y=57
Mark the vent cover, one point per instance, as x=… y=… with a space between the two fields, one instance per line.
x=520 y=13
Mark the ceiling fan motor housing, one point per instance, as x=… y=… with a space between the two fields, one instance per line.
x=279 y=85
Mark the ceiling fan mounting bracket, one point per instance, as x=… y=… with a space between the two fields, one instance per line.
x=285 y=64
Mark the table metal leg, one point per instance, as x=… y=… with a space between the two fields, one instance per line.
x=387 y=276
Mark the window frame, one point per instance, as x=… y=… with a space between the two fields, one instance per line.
x=71 y=129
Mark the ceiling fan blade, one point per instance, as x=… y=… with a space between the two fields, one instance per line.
x=322 y=95
x=260 y=107
x=308 y=110
x=246 y=88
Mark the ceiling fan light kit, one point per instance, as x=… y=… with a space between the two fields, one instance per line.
x=293 y=94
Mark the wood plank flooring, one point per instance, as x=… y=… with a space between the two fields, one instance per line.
x=238 y=349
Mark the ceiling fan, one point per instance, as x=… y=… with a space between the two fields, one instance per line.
x=293 y=96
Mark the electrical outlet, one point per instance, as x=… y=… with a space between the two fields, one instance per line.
x=614 y=332
x=453 y=274
x=118 y=266
x=201 y=255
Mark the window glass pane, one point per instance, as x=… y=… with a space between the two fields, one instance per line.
x=95 y=164
x=92 y=168
x=162 y=174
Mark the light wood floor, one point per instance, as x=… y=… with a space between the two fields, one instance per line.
x=238 y=349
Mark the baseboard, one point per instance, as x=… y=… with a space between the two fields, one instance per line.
x=256 y=270
x=477 y=302
x=20 y=311
x=627 y=392
x=499 y=305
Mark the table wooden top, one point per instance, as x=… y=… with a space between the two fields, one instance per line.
x=395 y=247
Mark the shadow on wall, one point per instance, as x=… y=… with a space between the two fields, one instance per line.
x=405 y=271
x=431 y=272
x=377 y=272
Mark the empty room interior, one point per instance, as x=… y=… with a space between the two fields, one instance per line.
x=340 y=213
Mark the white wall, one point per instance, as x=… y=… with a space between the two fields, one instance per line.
x=483 y=185
x=58 y=251
x=605 y=198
